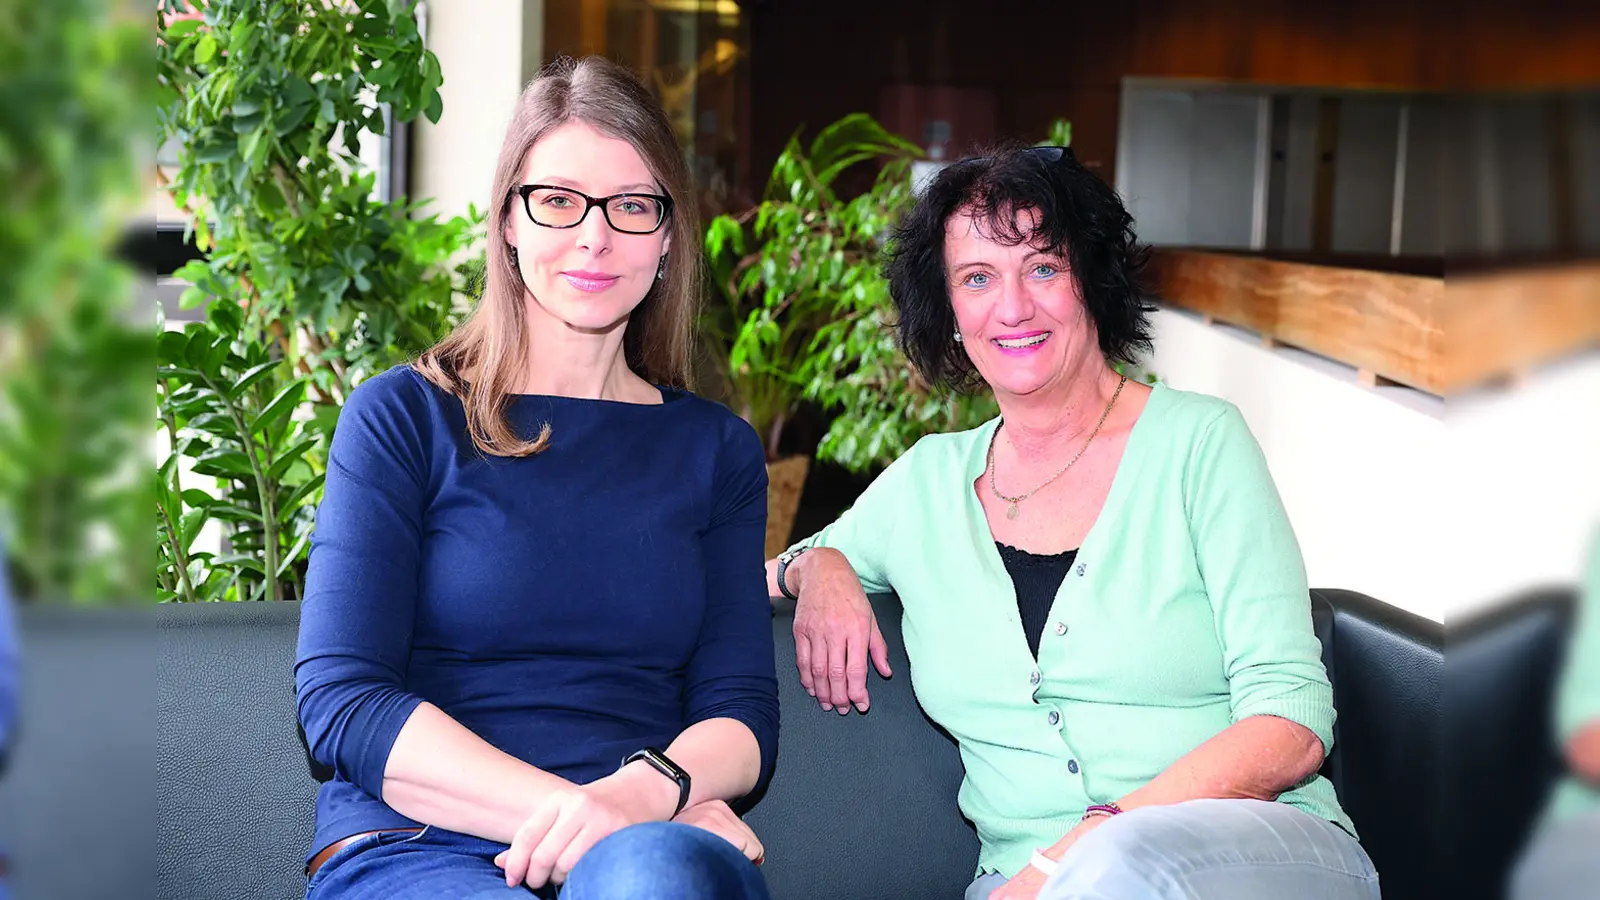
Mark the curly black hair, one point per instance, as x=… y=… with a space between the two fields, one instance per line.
x=1079 y=215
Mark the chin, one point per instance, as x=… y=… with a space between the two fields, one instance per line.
x=587 y=313
x=1019 y=381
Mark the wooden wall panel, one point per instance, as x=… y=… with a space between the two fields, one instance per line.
x=1381 y=323
x=1439 y=335
x=816 y=60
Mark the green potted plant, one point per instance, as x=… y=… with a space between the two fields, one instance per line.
x=804 y=312
x=314 y=283
x=72 y=359
x=784 y=272
x=853 y=364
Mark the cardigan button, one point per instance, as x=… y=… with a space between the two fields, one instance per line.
x=1033 y=677
x=1054 y=718
x=1061 y=628
x=1072 y=766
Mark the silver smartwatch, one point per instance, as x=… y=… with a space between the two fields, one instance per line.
x=784 y=559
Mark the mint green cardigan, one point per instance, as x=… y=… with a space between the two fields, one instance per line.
x=1186 y=610
x=1578 y=697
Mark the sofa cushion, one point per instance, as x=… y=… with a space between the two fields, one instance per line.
x=862 y=806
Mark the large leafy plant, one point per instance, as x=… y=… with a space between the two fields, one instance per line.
x=315 y=280
x=805 y=310
x=228 y=406
x=72 y=405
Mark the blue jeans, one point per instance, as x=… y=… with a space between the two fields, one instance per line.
x=1209 y=850
x=662 y=860
x=1560 y=863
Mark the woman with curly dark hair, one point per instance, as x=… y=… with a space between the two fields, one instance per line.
x=1104 y=602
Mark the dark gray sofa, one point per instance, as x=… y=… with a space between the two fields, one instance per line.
x=860 y=807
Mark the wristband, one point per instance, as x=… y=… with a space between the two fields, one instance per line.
x=1043 y=863
x=784 y=561
x=659 y=761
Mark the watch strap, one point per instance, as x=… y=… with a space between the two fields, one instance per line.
x=659 y=761
x=784 y=561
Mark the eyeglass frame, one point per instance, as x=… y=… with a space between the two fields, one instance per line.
x=526 y=190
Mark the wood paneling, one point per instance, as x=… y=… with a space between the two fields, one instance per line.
x=815 y=61
x=1504 y=323
x=1378 y=322
x=1439 y=335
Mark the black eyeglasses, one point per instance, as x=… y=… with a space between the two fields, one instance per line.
x=554 y=206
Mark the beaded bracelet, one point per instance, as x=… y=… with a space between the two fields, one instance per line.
x=1103 y=809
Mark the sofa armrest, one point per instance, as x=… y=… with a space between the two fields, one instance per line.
x=1386 y=666
x=1500 y=756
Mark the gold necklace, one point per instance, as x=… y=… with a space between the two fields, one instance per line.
x=1011 y=510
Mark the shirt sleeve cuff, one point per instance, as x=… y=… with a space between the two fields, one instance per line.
x=1309 y=706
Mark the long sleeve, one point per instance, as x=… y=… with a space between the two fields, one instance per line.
x=361 y=585
x=732 y=673
x=1578 y=698
x=1255 y=577
x=8 y=660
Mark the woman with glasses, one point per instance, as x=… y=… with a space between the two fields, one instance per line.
x=535 y=648
x=1103 y=600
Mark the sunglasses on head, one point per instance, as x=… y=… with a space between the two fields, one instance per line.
x=1044 y=154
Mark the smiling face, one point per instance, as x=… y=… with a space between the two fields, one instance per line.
x=589 y=277
x=1018 y=308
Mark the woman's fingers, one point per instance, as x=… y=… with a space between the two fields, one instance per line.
x=838 y=688
x=515 y=858
x=880 y=650
x=550 y=847
x=802 y=657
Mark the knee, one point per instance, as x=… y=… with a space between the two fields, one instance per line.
x=660 y=859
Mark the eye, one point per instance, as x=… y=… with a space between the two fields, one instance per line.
x=558 y=201
x=1044 y=270
x=631 y=207
x=976 y=280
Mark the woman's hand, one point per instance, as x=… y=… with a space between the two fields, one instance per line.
x=566 y=822
x=834 y=631
x=715 y=816
x=1025 y=885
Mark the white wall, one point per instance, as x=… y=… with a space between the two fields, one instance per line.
x=1521 y=503
x=1435 y=507
x=481 y=46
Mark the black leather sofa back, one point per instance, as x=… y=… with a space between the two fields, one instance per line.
x=860 y=807
x=77 y=799
x=1385 y=665
x=1500 y=757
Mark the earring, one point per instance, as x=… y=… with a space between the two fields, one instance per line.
x=661 y=268
x=958 y=337
x=515 y=262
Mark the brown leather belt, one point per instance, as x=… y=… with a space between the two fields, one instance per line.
x=328 y=851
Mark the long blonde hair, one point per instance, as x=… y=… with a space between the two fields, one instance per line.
x=493 y=342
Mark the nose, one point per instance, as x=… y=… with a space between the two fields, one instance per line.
x=594 y=232
x=1016 y=304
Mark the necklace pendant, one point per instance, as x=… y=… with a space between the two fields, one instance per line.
x=1011 y=511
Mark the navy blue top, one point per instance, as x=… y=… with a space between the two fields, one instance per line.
x=569 y=608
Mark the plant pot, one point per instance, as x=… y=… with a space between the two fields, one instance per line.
x=786 y=479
